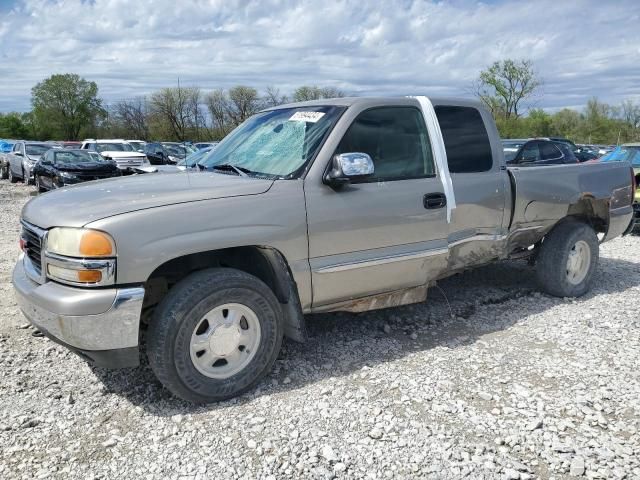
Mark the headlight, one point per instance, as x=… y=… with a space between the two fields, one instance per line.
x=172 y=158
x=66 y=174
x=80 y=242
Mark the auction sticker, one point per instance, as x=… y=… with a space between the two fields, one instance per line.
x=311 y=117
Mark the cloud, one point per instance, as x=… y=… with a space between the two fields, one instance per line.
x=395 y=47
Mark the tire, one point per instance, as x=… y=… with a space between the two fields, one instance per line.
x=187 y=305
x=38 y=186
x=11 y=176
x=4 y=172
x=556 y=275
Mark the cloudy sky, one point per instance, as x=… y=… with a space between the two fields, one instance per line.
x=581 y=48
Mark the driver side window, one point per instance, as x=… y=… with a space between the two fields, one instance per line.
x=397 y=141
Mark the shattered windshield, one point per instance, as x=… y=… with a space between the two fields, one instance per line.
x=276 y=142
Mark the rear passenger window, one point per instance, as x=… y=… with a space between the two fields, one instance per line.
x=395 y=138
x=465 y=139
x=549 y=151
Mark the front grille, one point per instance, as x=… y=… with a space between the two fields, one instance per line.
x=93 y=176
x=33 y=247
x=129 y=161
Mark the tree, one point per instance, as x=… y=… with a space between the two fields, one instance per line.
x=504 y=86
x=132 y=116
x=313 y=92
x=273 y=98
x=216 y=102
x=67 y=104
x=176 y=110
x=243 y=102
x=12 y=125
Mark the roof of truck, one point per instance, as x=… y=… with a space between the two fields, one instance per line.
x=350 y=101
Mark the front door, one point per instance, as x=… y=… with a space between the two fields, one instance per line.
x=384 y=233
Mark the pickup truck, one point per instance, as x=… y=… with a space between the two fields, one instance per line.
x=350 y=204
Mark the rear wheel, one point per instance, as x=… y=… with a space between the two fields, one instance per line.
x=568 y=259
x=215 y=335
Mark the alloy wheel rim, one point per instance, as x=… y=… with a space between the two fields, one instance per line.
x=225 y=340
x=578 y=262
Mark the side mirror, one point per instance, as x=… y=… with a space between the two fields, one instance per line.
x=347 y=167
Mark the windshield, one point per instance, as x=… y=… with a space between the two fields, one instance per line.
x=76 y=156
x=36 y=150
x=622 y=154
x=137 y=145
x=195 y=157
x=179 y=151
x=277 y=142
x=114 y=147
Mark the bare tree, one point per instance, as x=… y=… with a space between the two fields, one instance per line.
x=504 y=86
x=273 y=98
x=216 y=102
x=243 y=102
x=132 y=116
x=178 y=107
x=313 y=92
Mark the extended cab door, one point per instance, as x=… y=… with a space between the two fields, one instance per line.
x=383 y=233
x=480 y=182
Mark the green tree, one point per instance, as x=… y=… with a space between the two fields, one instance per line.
x=504 y=86
x=12 y=125
x=67 y=104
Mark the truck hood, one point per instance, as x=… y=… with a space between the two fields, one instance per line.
x=121 y=154
x=78 y=205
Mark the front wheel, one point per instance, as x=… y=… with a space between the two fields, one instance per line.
x=215 y=335
x=568 y=259
x=11 y=176
x=4 y=171
x=39 y=187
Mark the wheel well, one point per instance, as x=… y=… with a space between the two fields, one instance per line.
x=591 y=211
x=255 y=260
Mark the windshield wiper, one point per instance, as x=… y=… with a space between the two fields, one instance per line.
x=227 y=166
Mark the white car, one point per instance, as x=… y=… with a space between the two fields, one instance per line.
x=138 y=145
x=120 y=151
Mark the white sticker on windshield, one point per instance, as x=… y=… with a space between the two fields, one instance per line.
x=311 y=117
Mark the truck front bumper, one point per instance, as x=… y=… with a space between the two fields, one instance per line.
x=101 y=325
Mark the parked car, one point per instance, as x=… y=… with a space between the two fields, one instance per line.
x=584 y=155
x=118 y=150
x=202 y=145
x=538 y=152
x=192 y=159
x=347 y=204
x=629 y=152
x=61 y=167
x=23 y=157
x=138 y=145
x=167 y=153
x=72 y=145
x=5 y=148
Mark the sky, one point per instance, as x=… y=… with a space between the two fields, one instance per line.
x=579 y=48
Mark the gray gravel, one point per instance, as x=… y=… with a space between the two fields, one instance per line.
x=505 y=383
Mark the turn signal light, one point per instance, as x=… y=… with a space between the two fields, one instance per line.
x=76 y=276
x=95 y=244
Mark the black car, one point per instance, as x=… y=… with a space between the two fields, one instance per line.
x=539 y=152
x=166 y=153
x=59 y=167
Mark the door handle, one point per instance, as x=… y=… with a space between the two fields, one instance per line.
x=434 y=200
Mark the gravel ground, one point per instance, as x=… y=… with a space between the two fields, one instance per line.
x=503 y=383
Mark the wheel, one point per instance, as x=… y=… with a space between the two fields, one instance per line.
x=568 y=259
x=214 y=335
x=38 y=186
x=11 y=176
x=4 y=173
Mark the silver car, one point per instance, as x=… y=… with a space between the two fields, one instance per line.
x=23 y=158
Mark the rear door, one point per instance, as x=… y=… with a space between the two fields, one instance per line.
x=380 y=234
x=479 y=182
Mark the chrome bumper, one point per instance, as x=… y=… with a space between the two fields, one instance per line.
x=81 y=318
